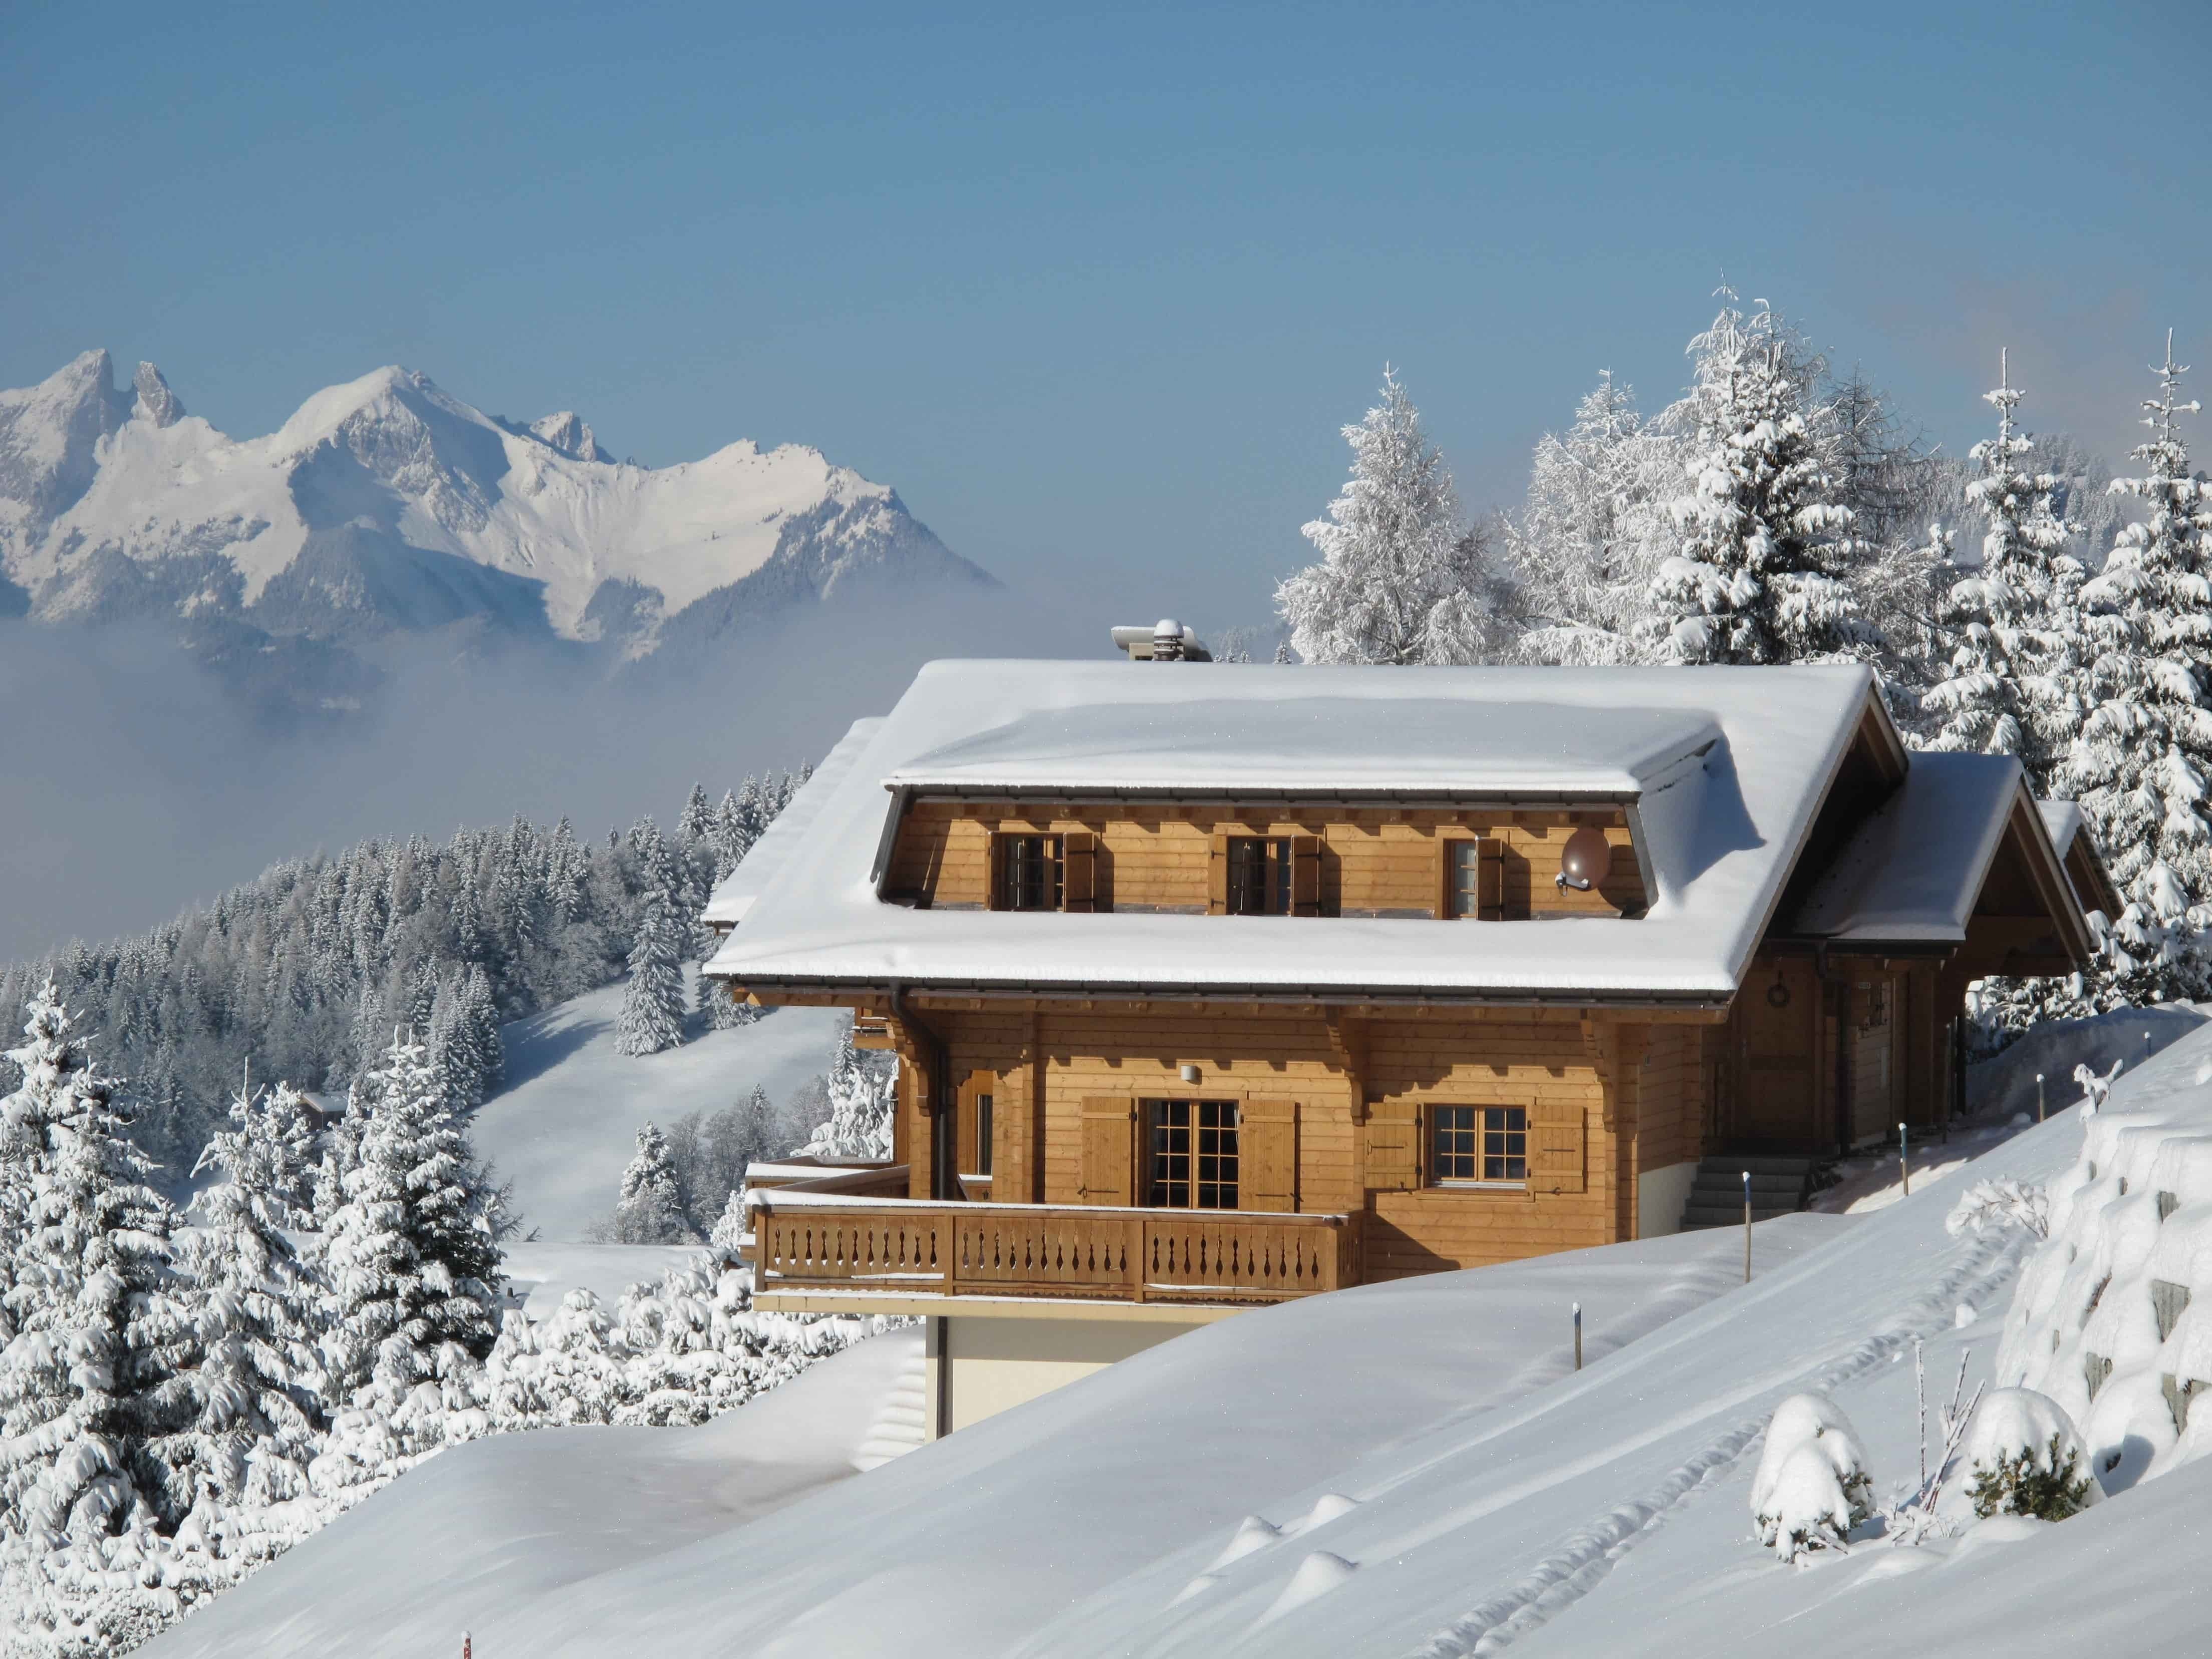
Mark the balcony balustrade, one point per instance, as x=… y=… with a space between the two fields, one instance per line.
x=811 y=1240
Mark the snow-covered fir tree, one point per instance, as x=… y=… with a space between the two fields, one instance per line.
x=97 y=1333
x=412 y=1258
x=1760 y=572
x=2010 y=686
x=1398 y=583
x=307 y=969
x=2142 y=757
x=863 y=1089
x=257 y=1388
x=652 y=1016
x=1584 y=543
x=650 y=1209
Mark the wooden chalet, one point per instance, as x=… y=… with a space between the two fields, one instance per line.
x=1159 y=949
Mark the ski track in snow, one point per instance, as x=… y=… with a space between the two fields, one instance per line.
x=1580 y=1560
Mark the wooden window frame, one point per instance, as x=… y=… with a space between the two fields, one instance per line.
x=1486 y=1119
x=1152 y=1111
x=1289 y=874
x=1052 y=858
x=1489 y=877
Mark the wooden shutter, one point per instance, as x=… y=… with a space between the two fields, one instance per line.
x=1217 y=875
x=994 y=864
x=1394 y=1147
x=1489 y=878
x=1268 y=1156
x=1443 y=878
x=1305 y=875
x=1555 y=1147
x=1079 y=856
x=1109 y=1148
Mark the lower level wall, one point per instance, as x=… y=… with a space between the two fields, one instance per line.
x=1661 y=1196
x=979 y=1367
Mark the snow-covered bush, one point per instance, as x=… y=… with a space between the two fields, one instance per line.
x=2025 y=1458
x=1812 y=1486
x=1993 y=1205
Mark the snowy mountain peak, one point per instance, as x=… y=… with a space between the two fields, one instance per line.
x=49 y=434
x=568 y=432
x=156 y=403
x=387 y=503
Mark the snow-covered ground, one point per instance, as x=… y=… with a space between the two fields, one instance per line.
x=1398 y=1469
x=567 y=1120
x=478 y=1533
x=539 y=1274
x=1491 y=1498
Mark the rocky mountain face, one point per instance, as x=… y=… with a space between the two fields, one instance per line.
x=387 y=506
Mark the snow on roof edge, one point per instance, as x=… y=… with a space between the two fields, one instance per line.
x=735 y=894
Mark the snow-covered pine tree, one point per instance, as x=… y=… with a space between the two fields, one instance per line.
x=862 y=1088
x=98 y=1332
x=650 y=1209
x=1395 y=584
x=652 y=1016
x=412 y=1257
x=257 y=1390
x=2007 y=689
x=2142 y=759
x=1583 y=544
x=1758 y=575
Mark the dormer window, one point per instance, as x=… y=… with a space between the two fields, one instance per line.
x=1030 y=872
x=1260 y=876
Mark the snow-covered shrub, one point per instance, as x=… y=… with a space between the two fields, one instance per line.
x=1812 y=1486
x=2025 y=1458
x=1992 y=1205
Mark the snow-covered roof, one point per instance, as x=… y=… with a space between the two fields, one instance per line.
x=1912 y=870
x=729 y=902
x=1728 y=767
x=2062 y=821
x=1309 y=746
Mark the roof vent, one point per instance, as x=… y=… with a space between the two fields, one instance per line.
x=1165 y=640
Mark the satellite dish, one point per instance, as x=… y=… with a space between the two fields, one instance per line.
x=1586 y=860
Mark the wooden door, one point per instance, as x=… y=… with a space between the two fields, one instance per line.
x=1776 y=1020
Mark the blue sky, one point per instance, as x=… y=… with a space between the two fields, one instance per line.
x=1094 y=289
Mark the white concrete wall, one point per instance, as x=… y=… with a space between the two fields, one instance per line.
x=1660 y=1196
x=980 y=1367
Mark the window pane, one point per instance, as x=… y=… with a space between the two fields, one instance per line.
x=1505 y=1143
x=1216 y=1188
x=1279 y=887
x=1467 y=878
x=1030 y=872
x=1167 y=1141
x=1452 y=1154
x=1247 y=876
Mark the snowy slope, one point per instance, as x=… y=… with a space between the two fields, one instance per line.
x=1088 y=1521
x=388 y=502
x=479 y=1531
x=567 y=1120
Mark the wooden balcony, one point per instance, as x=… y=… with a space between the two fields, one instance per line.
x=812 y=1243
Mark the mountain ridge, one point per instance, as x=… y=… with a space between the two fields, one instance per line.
x=387 y=504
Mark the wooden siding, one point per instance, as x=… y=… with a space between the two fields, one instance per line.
x=1341 y=1143
x=1370 y=862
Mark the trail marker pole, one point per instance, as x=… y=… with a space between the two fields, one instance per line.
x=1578 y=1336
x=1903 y=1160
x=1747 y=1226
x=2039 y=1098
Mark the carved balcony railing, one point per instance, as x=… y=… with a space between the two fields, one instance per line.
x=805 y=1241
